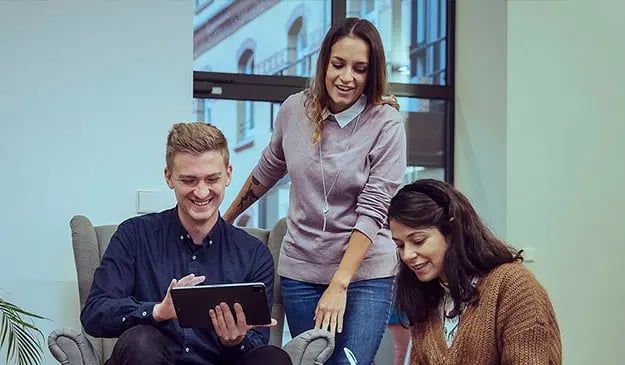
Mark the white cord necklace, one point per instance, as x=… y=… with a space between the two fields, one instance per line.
x=326 y=193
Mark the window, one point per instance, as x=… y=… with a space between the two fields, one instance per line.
x=361 y=9
x=297 y=60
x=202 y=110
x=277 y=44
x=221 y=25
x=426 y=152
x=245 y=109
x=428 y=41
x=273 y=204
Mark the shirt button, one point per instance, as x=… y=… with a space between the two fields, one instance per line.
x=210 y=242
x=188 y=236
x=144 y=313
x=242 y=347
x=194 y=257
x=187 y=349
x=123 y=319
x=181 y=237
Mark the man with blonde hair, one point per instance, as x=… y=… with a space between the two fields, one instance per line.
x=187 y=245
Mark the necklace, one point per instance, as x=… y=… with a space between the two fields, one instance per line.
x=326 y=192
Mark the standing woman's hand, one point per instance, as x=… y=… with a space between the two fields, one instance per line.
x=331 y=308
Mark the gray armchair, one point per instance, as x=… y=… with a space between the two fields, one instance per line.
x=71 y=346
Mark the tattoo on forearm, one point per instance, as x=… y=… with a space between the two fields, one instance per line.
x=249 y=197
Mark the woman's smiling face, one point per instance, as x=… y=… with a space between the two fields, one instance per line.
x=346 y=74
x=421 y=249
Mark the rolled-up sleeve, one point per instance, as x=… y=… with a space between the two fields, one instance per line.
x=388 y=163
x=272 y=164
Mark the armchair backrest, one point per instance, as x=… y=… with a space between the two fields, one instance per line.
x=273 y=239
x=89 y=243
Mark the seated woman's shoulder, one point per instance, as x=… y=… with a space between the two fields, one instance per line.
x=515 y=268
x=515 y=275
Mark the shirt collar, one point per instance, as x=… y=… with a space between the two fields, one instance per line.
x=183 y=235
x=343 y=118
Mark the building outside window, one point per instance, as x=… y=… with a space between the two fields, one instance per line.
x=254 y=48
x=245 y=109
x=428 y=41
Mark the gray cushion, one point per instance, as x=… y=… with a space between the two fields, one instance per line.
x=311 y=347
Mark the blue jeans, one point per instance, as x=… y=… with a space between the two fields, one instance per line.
x=366 y=316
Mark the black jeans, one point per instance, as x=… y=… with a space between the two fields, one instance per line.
x=146 y=345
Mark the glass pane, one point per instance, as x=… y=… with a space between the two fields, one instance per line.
x=425 y=136
x=247 y=125
x=414 y=36
x=267 y=37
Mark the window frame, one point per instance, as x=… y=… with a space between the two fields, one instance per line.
x=276 y=88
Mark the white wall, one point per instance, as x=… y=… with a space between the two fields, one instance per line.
x=565 y=163
x=88 y=91
x=480 y=129
x=562 y=172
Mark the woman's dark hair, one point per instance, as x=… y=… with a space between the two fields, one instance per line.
x=473 y=249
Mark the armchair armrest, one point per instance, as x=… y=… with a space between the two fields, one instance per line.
x=71 y=347
x=311 y=347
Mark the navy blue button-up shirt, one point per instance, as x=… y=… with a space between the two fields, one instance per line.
x=145 y=254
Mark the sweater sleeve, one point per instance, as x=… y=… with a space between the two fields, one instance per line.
x=388 y=163
x=529 y=332
x=535 y=345
x=272 y=164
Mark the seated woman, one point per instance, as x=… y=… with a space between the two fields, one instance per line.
x=468 y=297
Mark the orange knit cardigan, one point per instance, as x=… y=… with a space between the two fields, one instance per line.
x=513 y=323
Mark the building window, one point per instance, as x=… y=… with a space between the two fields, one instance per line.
x=207 y=111
x=202 y=110
x=428 y=41
x=247 y=86
x=360 y=8
x=299 y=63
x=245 y=109
x=366 y=7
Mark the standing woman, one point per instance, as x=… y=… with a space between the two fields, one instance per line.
x=468 y=297
x=342 y=142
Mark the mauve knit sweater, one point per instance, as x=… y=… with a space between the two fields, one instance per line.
x=363 y=163
x=513 y=323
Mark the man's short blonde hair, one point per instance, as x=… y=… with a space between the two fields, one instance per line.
x=195 y=138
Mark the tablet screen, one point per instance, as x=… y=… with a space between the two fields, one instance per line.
x=192 y=303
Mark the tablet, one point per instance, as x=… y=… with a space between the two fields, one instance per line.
x=192 y=303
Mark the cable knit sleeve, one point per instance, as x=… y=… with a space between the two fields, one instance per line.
x=388 y=163
x=528 y=330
